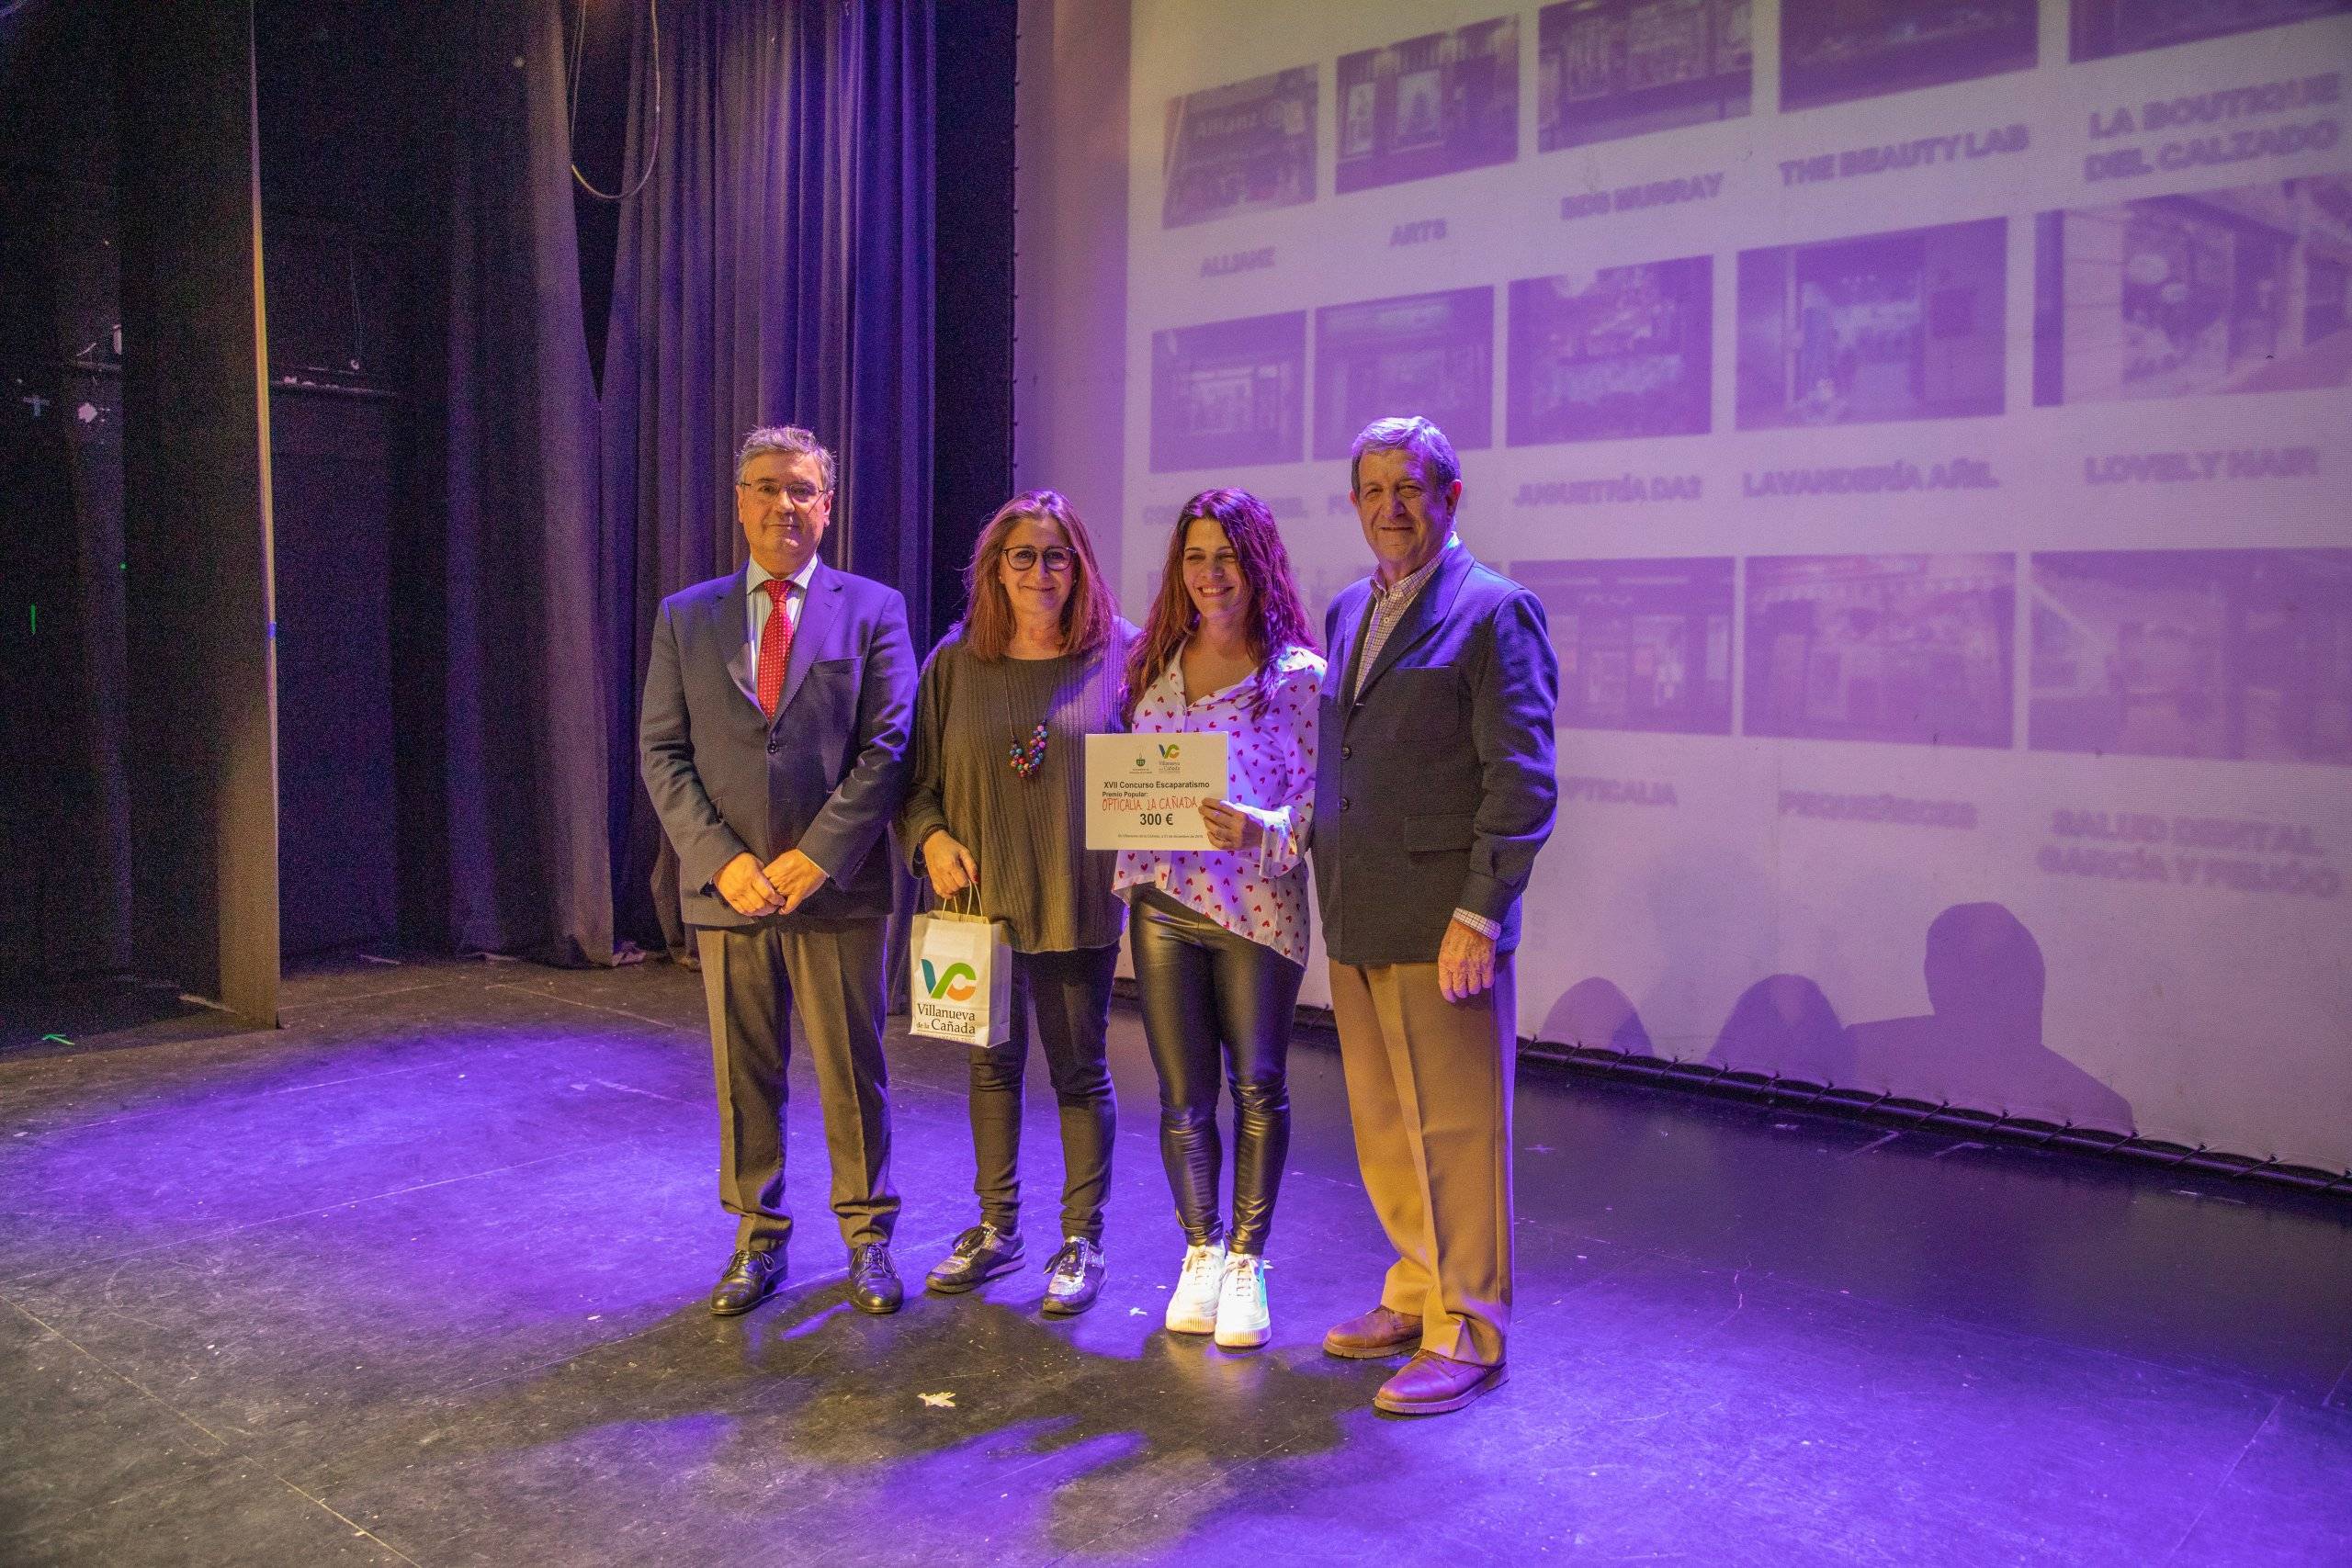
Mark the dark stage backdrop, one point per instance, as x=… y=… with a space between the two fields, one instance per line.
x=776 y=268
x=331 y=168
x=64 y=810
x=470 y=548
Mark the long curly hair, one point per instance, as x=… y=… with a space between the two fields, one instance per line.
x=1087 y=614
x=1277 y=619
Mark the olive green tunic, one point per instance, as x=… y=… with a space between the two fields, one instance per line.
x=1028 y=835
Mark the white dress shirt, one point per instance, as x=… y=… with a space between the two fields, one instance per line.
x=758 y=604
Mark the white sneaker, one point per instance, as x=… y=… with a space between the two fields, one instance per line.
x=1192 y=1308
x=1242 y=1320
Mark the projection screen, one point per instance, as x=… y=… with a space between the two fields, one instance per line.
x=1926 y=422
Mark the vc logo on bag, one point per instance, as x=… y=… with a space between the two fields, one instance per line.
x=1168 y=751
x=957 y=985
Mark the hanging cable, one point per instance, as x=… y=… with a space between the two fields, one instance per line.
x=654 y=139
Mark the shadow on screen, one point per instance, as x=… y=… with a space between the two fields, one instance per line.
x=1595 y=1012
x=1784 y=1024
x=1980 y=1044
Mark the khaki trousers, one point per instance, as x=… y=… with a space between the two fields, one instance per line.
x=1429 y=1091
x=756 y=979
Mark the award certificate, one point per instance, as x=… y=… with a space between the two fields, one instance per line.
x=1143 y=791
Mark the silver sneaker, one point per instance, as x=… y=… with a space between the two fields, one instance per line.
x=1073 y=1277
x=980 y=1254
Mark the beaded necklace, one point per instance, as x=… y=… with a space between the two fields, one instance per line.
x=1028 y=757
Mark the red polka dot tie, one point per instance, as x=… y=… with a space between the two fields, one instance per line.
x=775 y=646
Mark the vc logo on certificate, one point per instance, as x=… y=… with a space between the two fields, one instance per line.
x=1144 y=792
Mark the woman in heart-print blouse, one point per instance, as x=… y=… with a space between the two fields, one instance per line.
x=1218 y=936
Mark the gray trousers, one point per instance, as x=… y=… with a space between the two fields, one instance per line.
x=828 y=974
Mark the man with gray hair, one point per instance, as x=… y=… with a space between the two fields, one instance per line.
x=772 y=738
x=1434 y=790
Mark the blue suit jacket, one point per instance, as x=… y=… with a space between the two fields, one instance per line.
x=826 y=777
x=1434 y=789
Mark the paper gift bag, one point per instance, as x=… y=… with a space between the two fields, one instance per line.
x=960 y=983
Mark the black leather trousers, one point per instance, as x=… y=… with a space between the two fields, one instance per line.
x=1214 y=999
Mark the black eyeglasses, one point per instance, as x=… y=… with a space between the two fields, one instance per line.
x=1020 y=557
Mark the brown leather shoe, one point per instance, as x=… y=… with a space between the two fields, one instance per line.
x=1431 y=1384
x=1382 y=1331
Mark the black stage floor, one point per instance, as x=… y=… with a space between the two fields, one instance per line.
x=419 y=1280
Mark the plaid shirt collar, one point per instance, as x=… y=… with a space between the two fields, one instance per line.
x=1392 y=599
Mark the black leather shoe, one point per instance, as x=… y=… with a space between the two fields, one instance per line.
x=873 y=1282
x=980 y=1253
x=750 y=1278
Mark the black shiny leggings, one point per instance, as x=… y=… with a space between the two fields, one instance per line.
x=1068 y=994
x=1213 y=999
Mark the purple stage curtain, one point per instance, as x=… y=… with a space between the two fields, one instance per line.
x=527 y=703
x=775 y=268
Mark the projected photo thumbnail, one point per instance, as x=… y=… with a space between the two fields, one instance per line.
x=2102 y=28
x=1907 y=648
x=2241 y=290
x=1906 y=326
x=1431 y=354
x=1833 y=51
x=1229 y=392
x=1429 y=105
x=1618 y=352
x=1610 y=68
x=1644 y=645
x=1239 y=149
x=2237 y=654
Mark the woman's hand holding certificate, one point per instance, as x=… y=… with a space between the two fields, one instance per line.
x=1230 y=828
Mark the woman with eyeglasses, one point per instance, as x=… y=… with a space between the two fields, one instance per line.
x=996 y=810
x=1219 y=936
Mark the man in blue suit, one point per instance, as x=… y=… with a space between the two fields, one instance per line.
x=1434 y=792
x=772 y=738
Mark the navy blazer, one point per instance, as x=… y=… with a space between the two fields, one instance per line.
x=1434 y=789
x=826 y=777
